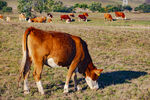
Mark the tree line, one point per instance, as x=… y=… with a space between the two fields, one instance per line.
x=27 y=6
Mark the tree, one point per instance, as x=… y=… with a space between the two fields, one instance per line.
x=3 y=4
x=127 y=8
x=95 y=6
x=40 y=5
x=25 y=6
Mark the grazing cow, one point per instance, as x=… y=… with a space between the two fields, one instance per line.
x=1 y=17
x=8 y=19
x=82 y=17
x=49 y=20
x=72 y=15
x=85 y=14
x=50 y=15
x=66 y=18
x=108 y=17
x=22 y=17
x=56 y=49
x=38 y=19
x=120 y=14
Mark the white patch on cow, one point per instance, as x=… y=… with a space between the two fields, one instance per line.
x=52 y=63
x=29 y=21
x=92 y=84
x=26 y=89
x=40 y=87
x=66 y=88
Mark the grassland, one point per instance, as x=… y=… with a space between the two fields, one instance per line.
x=121 y=48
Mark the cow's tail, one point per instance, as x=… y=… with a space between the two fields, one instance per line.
x=24 y=63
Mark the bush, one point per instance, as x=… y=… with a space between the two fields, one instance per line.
x=83 y=5
x=7 y=9
x=143 y=8
x=127 y=8
x=63 y=9
x=95 y=6
x=3 y=4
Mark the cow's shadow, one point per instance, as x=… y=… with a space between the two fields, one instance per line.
x=105 y=79
x=118 y=77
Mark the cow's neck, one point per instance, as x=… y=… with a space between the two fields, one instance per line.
x=89 y=69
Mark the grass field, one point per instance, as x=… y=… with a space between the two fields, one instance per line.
x=121 y=48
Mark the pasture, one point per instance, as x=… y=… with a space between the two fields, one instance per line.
x=121 y=48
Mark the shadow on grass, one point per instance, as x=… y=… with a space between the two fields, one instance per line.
x=118 y=77
x=106 y=79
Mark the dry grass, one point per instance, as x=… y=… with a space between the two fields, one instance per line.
x=121 y=48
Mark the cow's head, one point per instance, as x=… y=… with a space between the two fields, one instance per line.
x=92 y=76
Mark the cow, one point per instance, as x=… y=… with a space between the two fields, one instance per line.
x=82 y=17
x=38 y=19
x=66 y=18
x=22 y=17
x=120 y=14
x=49 y=20
x=85 y=14
x=108 y=17
x=8 y=19
x=50 y=15
x=56 y=49
x=72 y=15
x=1 y=17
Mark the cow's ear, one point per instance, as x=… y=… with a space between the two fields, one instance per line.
x=98 y=71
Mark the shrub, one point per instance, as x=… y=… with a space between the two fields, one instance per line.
x=143 y=8
x=7 y=9
x=127 y=8
x=3 y=4
x=95 y=6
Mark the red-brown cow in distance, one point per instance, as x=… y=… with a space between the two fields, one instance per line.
x=56 y=49
x=38 y=19
x=108 y=17
x=1 y=17
x=82 y=17
x=66 y=18
x=120 y=14
x=85 y=14
x=72 y=15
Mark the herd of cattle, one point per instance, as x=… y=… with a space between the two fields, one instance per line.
x=67 y=18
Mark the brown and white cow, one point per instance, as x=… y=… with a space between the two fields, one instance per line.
x=82 y=17
x=72 y=15
x=38 y=19
x=56 y=49
x=120 y=14
x=108 y=17
x=86 y=14
x=8 y=19
x=50 y=15
x=22 y=17
x=1 y=17
x=66 y=18
x=49 y=20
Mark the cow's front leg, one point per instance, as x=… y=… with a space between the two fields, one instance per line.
x=76 y=86
x=69 y=74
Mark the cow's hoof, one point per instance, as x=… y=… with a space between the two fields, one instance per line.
x=26 y=92
x=65 y=91
x=79 y=88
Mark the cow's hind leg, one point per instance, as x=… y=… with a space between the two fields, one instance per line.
x=38 y=66
x=25 y=75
